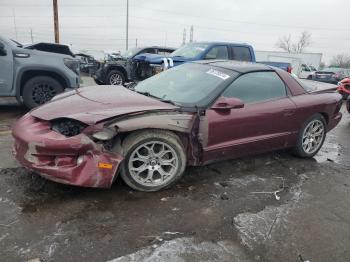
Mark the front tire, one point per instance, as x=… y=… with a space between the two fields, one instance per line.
x=115 y=77
x=39 y=90
x=311 y=137
x=155 y=160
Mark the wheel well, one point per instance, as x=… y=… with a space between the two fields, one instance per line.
x=119 y=68
x=33 y=73
x=325 y=115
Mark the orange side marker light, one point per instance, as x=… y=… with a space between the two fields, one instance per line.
x=105 y=165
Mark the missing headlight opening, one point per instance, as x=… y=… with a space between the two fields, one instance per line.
x=68 y=127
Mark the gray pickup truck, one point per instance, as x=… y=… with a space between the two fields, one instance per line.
x=34 y=76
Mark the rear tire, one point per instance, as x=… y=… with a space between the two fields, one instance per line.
x=311 y=137
x=39 y=90
x=115 y=77
x=155 y=160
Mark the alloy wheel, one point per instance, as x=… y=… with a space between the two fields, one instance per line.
x=313 y=136
x=153 y=163
x=43 y=93
x=116 y=79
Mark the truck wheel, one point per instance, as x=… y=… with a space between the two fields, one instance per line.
x=155 y=160
x=311 y=137
x=115 y=77
x=40 y=89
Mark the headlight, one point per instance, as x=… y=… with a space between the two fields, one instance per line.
x=72 y=64
x=105 y=134
x=68 y=127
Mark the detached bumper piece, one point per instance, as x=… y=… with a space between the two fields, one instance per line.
x=73 y=160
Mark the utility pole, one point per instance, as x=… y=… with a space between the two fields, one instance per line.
x=127 y=24
x=14 y=22
x=55 y=22
x=191 y=34
x=184 y=37
x=136 y=43
x=31 y=35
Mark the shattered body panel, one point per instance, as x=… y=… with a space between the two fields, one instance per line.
x=55 y=156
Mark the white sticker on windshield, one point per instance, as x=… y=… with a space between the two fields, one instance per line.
x=217 y=74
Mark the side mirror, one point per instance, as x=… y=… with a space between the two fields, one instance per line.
x=227 y=103
x=2 y=50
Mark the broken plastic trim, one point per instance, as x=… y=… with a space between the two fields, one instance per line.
x=105 y=134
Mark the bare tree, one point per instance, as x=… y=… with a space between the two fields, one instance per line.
x=287 y=44
x=341 y=60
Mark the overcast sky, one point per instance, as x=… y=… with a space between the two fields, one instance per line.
x=100 y=24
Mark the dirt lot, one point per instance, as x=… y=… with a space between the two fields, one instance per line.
x=215 y=213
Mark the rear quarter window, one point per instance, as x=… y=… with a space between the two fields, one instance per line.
x=257 y=87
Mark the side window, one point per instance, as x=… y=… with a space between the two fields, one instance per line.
x=257 y=87
x=305 y=68
x=164 y=52
x=217 y=52
x=241 y=53
x=149 y=50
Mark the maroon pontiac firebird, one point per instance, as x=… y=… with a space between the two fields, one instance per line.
x=192 y=114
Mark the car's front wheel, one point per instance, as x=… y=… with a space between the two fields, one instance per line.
x=115 y=77
x=155 y=159
x=39 y=90
x=311 y=136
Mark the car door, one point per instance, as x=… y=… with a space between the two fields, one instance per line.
x=217 y=52
x=6 y=72
x=263 y=124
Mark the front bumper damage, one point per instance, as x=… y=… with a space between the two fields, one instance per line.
x=74 y=160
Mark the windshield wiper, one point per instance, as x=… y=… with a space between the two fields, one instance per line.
x=168 y=101
x=158 y=98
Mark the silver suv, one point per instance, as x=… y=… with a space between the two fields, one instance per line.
x=34 y=76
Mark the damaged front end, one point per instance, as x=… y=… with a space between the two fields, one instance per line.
x=71 y=152
x=61 y=152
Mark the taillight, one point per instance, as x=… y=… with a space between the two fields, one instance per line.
x=289 y=69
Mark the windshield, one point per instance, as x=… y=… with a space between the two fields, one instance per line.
x=312 y=68
x=130 y=53
x=190 y=50
x=15 y=43
x=187 y=85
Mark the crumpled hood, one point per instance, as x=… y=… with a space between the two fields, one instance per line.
x=97 y=103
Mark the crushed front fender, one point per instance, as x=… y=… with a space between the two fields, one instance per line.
x=74 y=160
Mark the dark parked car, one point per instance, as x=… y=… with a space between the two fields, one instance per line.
x=190 y=115
x=126 y=68
x=331 y=75
x=88 y=64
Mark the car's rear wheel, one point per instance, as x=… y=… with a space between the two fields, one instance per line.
x=39 y=90
x=311 y=136
x=115 y=77
x=155 y=160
